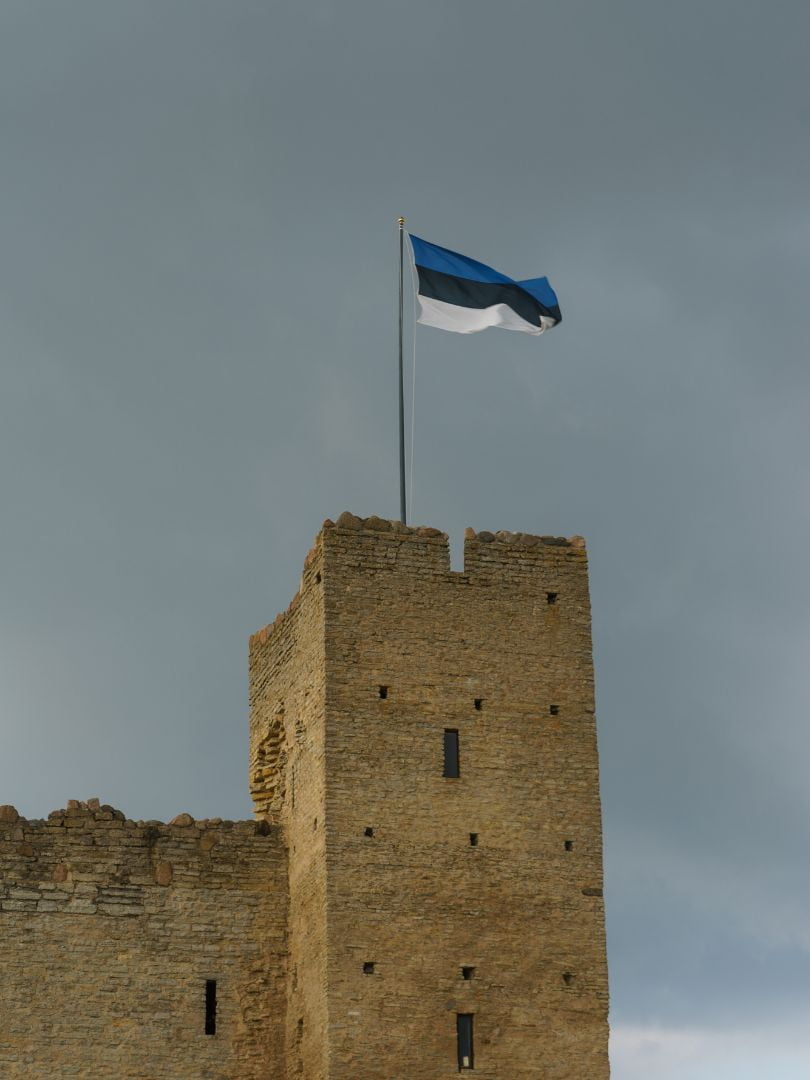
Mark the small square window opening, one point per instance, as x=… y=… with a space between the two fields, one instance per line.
x=368 y=968
x=467 y=973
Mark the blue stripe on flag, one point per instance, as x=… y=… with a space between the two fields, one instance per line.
x=540 y=289
x=433 y=257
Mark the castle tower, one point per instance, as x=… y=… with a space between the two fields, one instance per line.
x=426 y=739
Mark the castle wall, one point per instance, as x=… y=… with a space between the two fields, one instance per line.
x=288 y=785
x=339 y=926
x=416 y=899
x=109 y=930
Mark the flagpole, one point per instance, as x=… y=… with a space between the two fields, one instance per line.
x=402 y=506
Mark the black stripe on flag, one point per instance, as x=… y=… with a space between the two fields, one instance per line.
x=483 y=294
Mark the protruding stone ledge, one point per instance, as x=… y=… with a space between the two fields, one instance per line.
x=352 y=523
x=521 y=539
x=92 y=809
x=93 y=814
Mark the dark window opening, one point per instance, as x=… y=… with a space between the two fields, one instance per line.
x=551 y=597
x=368 y=831
x=464 y=1029
x=467 y=973
x=554 y=710
x=383 y=691
x=368 y=968
x=568 y=978
x=210 y=1006
x=569 y=845
x=317 y=579
x=473 y=839
x=478 y=703
x=315 y=824
x=451 y=758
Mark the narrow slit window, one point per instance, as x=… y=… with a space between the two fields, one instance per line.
x=451 y=757
x=383 y=691
x=210 y=1006
x=473 y=839
x=478 y=702
x=551 y=597
x=464 y=1028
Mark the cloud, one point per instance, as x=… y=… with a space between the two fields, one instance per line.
x=780 y=1052
x=198 y=330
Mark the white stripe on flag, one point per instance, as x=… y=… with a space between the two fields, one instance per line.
x=464 y=320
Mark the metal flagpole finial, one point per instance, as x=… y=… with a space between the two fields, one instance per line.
x=400 y=221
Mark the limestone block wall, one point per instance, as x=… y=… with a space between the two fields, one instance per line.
x=374 y=899
x=417 y=897
x=501 y=654
x=288 y=784
x=109 y=931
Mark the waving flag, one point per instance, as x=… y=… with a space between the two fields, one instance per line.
x=465 y=296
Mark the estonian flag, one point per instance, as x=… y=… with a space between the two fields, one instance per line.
x=460 y=294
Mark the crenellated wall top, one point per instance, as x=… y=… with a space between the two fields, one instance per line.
x=483 y=550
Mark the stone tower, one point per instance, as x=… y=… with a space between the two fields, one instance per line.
x=426 y=740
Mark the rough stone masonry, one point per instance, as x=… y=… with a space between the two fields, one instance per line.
x=420 y=893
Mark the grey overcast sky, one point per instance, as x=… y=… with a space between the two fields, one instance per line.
x=197 y=302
